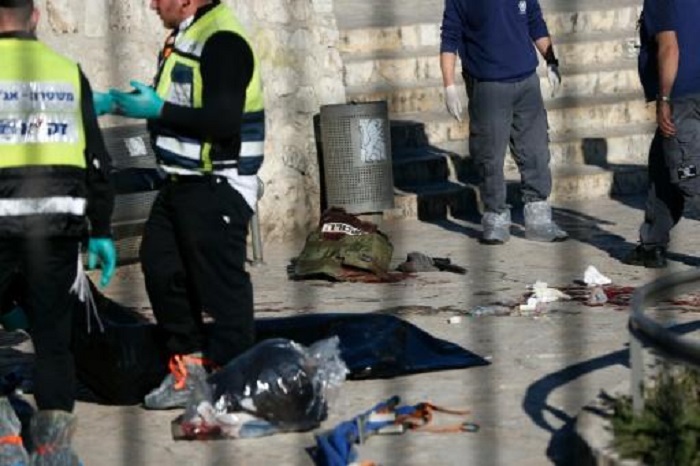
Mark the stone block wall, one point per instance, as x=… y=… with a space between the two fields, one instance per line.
x=116 y=41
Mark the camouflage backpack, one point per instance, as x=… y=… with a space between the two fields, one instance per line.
x=344 y=248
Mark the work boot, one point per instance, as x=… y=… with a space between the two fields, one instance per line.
x=652 y=257
x=496 y=227
x=539 y=225
x=12 y=452
x=187 y=373
x=52 y=432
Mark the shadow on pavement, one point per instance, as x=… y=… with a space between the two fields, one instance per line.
x=561 y=446
x=581 y=227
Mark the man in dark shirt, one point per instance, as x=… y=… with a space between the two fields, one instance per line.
x=54 y=191
x=669 y=69
x=494 y=40
x=206 y=120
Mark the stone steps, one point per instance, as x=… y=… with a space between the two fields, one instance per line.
x=415 y=29
x=600 y=126
x=439 y=199
x=576 y=91
x=424 y=166
x=429 y=201
x=572 y=118
x=594 y=55
x=622 y=144
x=451 y=160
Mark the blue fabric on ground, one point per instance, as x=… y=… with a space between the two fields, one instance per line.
x=373 y=345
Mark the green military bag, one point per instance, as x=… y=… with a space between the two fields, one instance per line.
x=344 y=248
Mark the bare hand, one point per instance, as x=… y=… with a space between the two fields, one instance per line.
x=664 y=118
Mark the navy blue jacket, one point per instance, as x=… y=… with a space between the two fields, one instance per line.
x=493 y=38
x=683 y=17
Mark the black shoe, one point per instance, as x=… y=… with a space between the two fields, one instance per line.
x=654 y=258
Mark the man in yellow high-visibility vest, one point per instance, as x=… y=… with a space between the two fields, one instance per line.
x=207 y=124
x=55 y=190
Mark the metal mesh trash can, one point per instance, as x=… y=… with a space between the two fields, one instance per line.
x=357 y=157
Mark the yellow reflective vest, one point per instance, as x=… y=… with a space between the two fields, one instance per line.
x=41 y=128
x=40 y=117
x=180 y=83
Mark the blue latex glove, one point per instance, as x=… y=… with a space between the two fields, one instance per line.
x=143 y=103
x=103 y=103
x=104 y=250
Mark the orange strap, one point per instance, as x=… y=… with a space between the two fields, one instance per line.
x=11 y=440
x=42 y=450
x=178 y=367
x=168 y=46
x=421 y=417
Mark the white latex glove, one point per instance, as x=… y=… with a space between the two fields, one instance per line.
x=554 y=77
x=452 y=102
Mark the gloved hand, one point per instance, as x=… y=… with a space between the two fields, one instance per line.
x=103 y=103
x=554 y=77
x=453 y=102
x=144 y=103
x=104 y=250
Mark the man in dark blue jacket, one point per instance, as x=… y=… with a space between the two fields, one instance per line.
x=669 y=69
x=494 y=40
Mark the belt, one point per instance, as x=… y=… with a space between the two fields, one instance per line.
x=194 y=179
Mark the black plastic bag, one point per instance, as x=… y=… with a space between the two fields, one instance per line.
x=281 y=382
x=122 y=363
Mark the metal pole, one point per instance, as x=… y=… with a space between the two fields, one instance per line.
x=645 y=331
x=637 y=380
x=255 y=229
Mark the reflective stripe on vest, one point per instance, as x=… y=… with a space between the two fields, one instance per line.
x=40 y=117
x=41 y=123
x=180 y=83
x=252 y=143
x=42 y=205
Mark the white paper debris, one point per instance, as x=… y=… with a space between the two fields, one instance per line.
x=544 y=294
x=592 y=277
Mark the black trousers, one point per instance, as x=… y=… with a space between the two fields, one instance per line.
x=193 y=254
x=49 y=267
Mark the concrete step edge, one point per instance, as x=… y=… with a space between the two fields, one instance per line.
x=437 y=200
x=397 y=86
x=432 y=51
x=460 y=147
x=351 y=22
x=551 y=104
x=353 y=15
x=356 y=49
x=512 y=175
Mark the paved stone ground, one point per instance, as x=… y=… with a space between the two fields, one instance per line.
x=544 y=368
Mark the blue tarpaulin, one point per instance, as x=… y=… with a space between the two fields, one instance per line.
x=373 y=345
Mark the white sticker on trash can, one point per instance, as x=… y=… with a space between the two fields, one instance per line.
x=135 y=146
x=373 y=142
